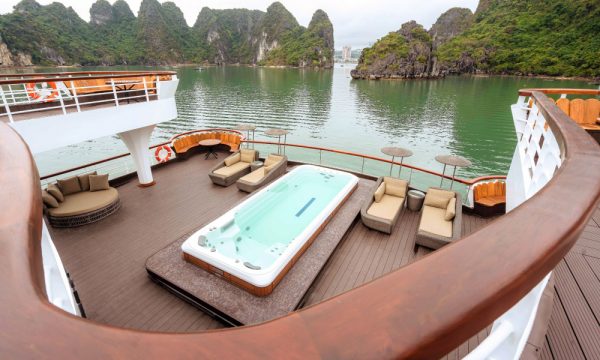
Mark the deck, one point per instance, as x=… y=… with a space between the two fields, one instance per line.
x=106 y=261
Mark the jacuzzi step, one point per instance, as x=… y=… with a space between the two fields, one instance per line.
x=234 y=306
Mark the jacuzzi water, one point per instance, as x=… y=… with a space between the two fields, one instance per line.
x=257 y=238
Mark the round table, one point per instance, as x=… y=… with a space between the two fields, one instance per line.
x=415 y=199
x=452 y=160
x=279 y=133
x=210 y=144
x=395 y=152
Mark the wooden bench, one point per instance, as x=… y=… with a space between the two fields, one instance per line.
x=586 y=113
x=490 y=198
x=185 y=142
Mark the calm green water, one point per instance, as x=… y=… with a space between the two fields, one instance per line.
x=468 y=116
x=296 y=202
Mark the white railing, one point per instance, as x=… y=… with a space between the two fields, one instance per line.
x=45 y=96
x=537 y=157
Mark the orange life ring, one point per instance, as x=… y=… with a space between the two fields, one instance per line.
x=32 y=91
x=164 y=156
x=54 y=94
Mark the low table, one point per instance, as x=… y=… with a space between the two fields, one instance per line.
x=415 y=200
x=210 y=144
x=256 y=165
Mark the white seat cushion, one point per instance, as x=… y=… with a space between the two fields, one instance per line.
x=433 y=221
x=387 y=208
x=233 y=169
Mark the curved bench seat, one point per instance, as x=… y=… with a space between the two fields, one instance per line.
x=84 y=208
x=185 y=142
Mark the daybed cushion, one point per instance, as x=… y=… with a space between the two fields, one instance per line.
x=69 y=186
x=85 y=202
x=55 y=191
x=273 y=159
x=395 y=187
x=49 y=200
x=450 y=210
x=379 y=192
x=438 y=198
x=433 y=221
x=84 y=180
x=233 y=169
x=235 y=158
x=247 y=155
x=255 y=176
x=386 y=208
x=99 y=182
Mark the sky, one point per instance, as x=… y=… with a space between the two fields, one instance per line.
x=355 y=23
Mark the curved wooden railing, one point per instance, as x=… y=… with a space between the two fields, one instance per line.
x=422 y=310
x=11 y=79
x=529 y=92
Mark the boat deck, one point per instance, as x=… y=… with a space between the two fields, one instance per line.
x=107 y=259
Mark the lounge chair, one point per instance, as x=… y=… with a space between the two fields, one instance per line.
x=275 y=166
x=382 y=210
x=441 y=219
x=233 y=167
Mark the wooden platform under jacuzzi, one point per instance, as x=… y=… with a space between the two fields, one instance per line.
x=106 y=261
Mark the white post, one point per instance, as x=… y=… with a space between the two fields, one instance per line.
x=74 y=90
x=112 y=84
x=6 y=107
x=138 y=141
x=146 y=89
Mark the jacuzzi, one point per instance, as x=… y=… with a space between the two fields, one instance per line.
x=255 y=244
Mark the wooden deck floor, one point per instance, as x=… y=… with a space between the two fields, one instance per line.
x=106 y=261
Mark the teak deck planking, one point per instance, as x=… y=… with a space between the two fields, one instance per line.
x=106 y=261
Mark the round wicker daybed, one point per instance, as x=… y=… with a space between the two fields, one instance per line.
x=84 y=207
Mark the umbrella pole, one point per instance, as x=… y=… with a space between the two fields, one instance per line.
x=453 y=173
x=442 y=177
x=400 y=171
x=392 y=165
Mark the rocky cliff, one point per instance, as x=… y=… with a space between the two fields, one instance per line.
x=516 y=37
x=411 y=51
x=159 y=35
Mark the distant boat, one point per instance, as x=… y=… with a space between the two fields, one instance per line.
x=200 y=69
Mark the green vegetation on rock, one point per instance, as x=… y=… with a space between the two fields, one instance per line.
x=558 y=37
x=56 y=35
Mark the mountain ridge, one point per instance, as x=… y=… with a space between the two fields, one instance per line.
x=55 y=35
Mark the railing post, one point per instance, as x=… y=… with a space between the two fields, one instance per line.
x=362 y=169
x=114 y=90
x=10 y=118
x=62 y=103
x=146 y=89
x=320 y=157
x=74 y=90
x=12 y=94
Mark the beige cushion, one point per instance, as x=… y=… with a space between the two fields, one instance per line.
x=438 y=198
x=395 y=187
x=49 y=200
x=247 y=155
x=233 y=169
x=433 y=221
x=255 y=176
x=387 y=208
x=84 y=180
x=55 y=191
x=233 y=159
x=69 y=186
x=379 y=192
x=269 y=168
x=85 y=202
x=451 y=210
x=99 y=182
x=273 y=159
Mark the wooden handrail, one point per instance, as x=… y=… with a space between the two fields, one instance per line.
x=135 y=72
x=529 y=92
x=422 y=310
x=40 y=77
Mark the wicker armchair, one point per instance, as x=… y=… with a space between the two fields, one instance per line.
x=382 y=210
x=434 y=230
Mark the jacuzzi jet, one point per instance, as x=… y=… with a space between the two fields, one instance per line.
x=202 y=240
x=239 y=238
x=213 y=249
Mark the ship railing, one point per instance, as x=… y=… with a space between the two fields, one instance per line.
x=25 y=96
x=422 y=310
x=362 y=164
